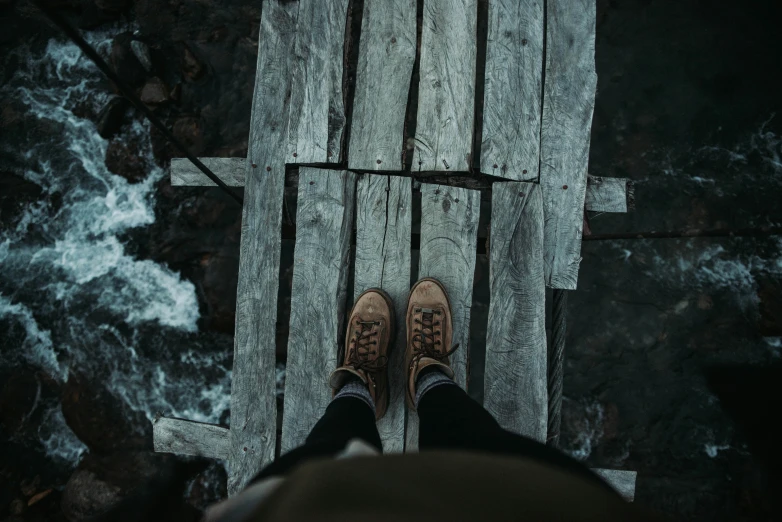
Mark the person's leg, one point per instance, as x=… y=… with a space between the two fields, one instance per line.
x=350 y=415
x=451 y=419
x=360 y=385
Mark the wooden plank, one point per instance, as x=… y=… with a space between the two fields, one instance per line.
x=622 y=481
x=317 y=116
x=446 y=95
x=602 y=194
x=229 y=170
x=385 y=64
x=321 y=260
x=449 y=238
x=253 y=403
x=383 y=228
x=568 y=103
x=510 y=145
x=606 y=194
x=515 y=375
x=185 y=437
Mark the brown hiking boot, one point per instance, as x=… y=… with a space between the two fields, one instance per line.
x=429 y=332
x=367 y=342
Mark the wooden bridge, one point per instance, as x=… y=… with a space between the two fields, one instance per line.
x=356 y=144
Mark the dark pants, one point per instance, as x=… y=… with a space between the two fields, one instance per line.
x=449 y=419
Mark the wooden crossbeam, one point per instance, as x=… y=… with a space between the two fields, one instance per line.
x=385 y=64
x=185 y=437
x=515 y=376
x=446 y=91
x=321 y=262
x=449 y=234
x=510 y=145
x=607 y=194
x=198 y=439
x=602 y=194
x=230 y=171
x=622 y=481
x=383 y=230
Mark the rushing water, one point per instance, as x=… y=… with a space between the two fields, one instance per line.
x=72 y=299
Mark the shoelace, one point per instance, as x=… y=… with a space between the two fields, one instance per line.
x=365 y=337
x=424 y=342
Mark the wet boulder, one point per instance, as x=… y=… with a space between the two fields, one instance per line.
x=124 y=60
x=112 y=116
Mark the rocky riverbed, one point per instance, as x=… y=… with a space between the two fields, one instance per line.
x=117 y=291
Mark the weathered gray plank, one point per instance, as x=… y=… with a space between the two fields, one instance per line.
x=568 y=103
x=324 y=221
x=515 y=375
x=621 y=480
x=385 y=64
x=185 y=437
x=449 y=237
x=606 y=194
x=602 y=194
x=383 y=224
x=510 y=145
x=229 y=170
x=317 y=116
x=253 y=403
x=443 y=135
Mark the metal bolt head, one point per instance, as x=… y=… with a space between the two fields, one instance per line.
x=494 y=166
x=524 y=41
x=564 y=187
x=524 y=171
x=379 y=162
x=268 y=169
x=255 y=166
x=295 y=155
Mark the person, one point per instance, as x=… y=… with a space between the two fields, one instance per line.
x=467 y=467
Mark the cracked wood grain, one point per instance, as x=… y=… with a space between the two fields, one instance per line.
x=317 y=116
x=510 y=145
x=253 y=405
x=185 y=437
x=515 y=376
x=446 y=92
x=321 y=261
x=449 y=238
x=385 y=65
x=383 y=231
x=568 y=104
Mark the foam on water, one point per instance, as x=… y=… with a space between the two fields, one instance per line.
x=587 y=420
x=754 y=164
x=72 y=298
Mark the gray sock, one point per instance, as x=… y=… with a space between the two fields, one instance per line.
x=428 y=379
x=356 y=388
